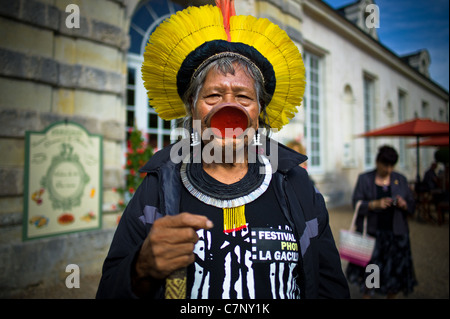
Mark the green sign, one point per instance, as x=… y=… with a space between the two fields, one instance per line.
x=63 y=181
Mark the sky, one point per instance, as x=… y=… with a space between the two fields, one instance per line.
x=407 y=26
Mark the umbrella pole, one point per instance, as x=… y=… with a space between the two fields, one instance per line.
x=418 y=188
x=418 y=160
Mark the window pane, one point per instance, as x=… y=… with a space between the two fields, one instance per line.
x=130 y=97
x=153 y=140
x=131 y=76
x=130 y=118
x=166 y=140
x=166 y=125
x=152 y=120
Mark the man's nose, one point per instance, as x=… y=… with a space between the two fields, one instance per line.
x=229 y=98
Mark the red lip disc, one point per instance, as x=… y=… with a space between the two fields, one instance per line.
x=229 y=117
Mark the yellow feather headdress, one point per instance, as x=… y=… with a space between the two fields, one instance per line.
x=181 y=34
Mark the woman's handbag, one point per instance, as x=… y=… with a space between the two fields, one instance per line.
x=355 y=247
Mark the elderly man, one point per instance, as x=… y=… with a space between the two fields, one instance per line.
x=217 y=226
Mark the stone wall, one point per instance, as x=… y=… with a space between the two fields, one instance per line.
x=50 y=72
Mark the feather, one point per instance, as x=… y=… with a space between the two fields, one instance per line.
x=228 y=10
x=166 y=50
x=183 y=32
x=283 y=54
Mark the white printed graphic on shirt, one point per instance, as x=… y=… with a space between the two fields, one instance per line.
x=274 y=246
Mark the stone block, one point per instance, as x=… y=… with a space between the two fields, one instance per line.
x=12 y=152
x=10 y=219
x=11 y=204
x=98 y=56
x=46 y=69
x=90 y=124
x=112 y=177
x=11 y=63
x=28 y=39
x=84 y=77
x=65 y=49
x=53 y=17
x=11 y=210
x=11 y=181
x=68 y=75
x=102 y=106
x=9 y=8
x=97 y=31
x=24 y=95
x=64 y=101
x=84 y=31
x=34 y=12
x=109 y=34
x=112 y=153
x=113 y=130
x=20 y=65
x=14 y=123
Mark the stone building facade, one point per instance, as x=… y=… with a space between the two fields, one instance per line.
x=52 y=69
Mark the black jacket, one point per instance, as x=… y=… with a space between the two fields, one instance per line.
x=321 y=274
x=365 y=190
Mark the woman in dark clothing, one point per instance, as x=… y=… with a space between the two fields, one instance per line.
x=386 y=201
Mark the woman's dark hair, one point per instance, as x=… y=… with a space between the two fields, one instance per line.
x=387 y=155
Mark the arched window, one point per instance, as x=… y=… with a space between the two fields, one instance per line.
x=148 y=15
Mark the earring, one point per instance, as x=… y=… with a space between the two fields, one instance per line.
x=194 y=137
x=257 y=140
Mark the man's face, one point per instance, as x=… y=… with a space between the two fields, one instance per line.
x=232 y=95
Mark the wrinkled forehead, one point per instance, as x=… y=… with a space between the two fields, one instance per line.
x=237 y=75
x=231 y=66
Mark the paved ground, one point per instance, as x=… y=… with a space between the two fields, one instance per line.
x=430 y=250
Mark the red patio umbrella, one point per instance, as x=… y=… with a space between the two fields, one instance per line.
x=433 y=141
x=418 y=127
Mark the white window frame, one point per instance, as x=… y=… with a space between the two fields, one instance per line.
x=141 y=107
x=318 y=137
x=402 y=96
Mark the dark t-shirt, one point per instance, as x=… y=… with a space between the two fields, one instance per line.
x=259 y=261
